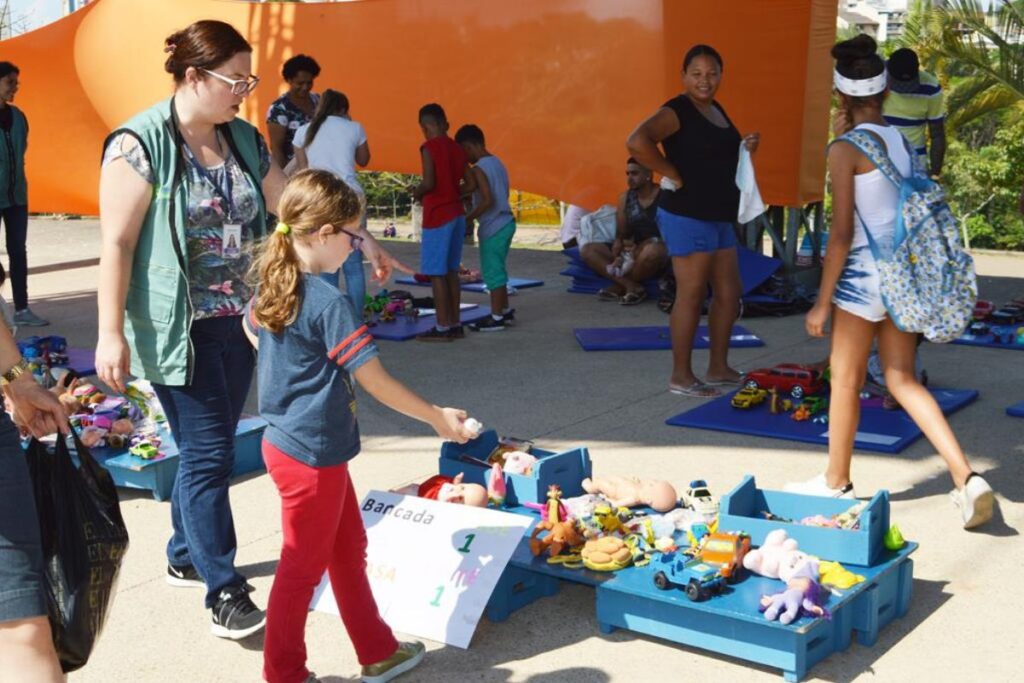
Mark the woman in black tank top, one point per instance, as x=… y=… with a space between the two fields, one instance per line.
x=696 y=213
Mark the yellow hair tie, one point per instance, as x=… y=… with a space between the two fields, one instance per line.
x=282 y=228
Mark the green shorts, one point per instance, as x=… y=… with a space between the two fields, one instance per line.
x=494 y=253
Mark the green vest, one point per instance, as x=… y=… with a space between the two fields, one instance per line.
x=13 y=187
x=158 y=311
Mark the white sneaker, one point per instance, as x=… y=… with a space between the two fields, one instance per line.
x=975 y=501
x=818 y=487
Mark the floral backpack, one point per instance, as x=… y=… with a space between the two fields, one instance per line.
x=928 y=284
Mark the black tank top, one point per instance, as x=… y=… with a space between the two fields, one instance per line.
x=706 y=157
x=640 y=222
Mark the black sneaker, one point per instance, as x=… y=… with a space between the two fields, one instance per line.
x=509 y=318
x=488 y=324
x=435 y=335
x=184 y=576
x=235 y=616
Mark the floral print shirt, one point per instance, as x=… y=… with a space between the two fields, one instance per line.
x=216 y=265
x=284 y=113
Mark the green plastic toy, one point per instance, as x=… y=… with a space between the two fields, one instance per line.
x=894 y=538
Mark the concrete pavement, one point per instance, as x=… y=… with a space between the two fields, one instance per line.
x=534 y=381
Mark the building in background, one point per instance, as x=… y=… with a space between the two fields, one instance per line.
x=70 y=6
x=881 y=19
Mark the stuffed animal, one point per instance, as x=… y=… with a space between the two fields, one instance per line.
x=776 y=551
x=631 y=491
x=803 y=596
x=518 y=462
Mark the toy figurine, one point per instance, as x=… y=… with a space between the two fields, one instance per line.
x=893 y=539
x=496 y=490
x=517 y=462
x=453 y=490
x=803 y=596
x=631 y=491
x=801 y=414
x=562 y=534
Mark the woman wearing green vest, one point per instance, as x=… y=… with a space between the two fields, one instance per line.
x=14 y=192
x=183 y=196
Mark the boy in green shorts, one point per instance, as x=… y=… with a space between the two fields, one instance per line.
x=492 y=213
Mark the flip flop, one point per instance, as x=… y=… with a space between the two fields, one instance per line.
x=608 y=295
x=725 y=382
x=633 y=298
x=696 y=390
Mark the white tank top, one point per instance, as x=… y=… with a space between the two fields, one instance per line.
x=876 y=198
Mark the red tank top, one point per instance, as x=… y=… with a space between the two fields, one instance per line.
x=444 y=203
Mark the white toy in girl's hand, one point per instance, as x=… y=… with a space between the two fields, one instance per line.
x=473 y=426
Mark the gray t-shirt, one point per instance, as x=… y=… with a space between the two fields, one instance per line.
x=305 y=380
x=498 y=215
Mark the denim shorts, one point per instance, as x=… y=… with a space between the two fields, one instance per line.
x=21 y=552
x=441 y=250
x=684 y=235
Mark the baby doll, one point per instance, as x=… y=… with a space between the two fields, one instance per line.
x=803 y=596
x=631 y=491
x=453 y=490
x=621 y=266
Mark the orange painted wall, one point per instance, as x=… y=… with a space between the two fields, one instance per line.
x=557 y=85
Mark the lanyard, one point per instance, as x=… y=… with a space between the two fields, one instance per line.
x=223 y=190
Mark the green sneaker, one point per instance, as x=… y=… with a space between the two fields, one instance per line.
x=406 y=657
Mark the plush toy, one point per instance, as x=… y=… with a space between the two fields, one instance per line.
x=803 y=596
x=92 y=436
x=518 y=462
x=631 y=491
x=777 y=550
x=122 y=427
x=453 y=490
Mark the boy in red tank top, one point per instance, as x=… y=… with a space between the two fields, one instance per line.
x=444 y=219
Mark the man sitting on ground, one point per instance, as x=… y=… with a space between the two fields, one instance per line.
x=637 y=253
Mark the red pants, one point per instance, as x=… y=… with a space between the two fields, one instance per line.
x=322 y=530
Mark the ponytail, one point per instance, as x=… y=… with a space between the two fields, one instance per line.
x=331 y=103
x=311 y=200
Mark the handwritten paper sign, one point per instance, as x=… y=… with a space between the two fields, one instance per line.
x=432 y=566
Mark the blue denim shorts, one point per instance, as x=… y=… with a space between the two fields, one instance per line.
x=441 y=251
x=684 y=236
x=21 y=552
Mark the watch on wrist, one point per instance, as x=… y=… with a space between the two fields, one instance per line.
x=13 y=374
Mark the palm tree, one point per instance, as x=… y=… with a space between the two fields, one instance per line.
x=989 y=55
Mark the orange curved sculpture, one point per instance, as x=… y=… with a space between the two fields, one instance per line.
x=556 y=85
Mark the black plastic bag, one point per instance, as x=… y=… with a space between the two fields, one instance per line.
x=84 y=539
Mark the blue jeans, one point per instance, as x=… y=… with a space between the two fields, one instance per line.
x=22 y=595
x=355 y=280
x=16 y=226
x=203 y=417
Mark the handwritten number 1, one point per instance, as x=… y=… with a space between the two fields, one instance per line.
x=437 y=598
x=465 y=546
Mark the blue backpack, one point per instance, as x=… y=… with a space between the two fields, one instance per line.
x=927 y=281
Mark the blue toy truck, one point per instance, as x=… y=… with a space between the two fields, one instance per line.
x=698 y=579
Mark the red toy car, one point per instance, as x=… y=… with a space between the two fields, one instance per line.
x=798 y=380
x=983 y=309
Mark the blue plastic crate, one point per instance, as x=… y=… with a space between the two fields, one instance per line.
x=516 y=589
x=566 y=469
x=741 y=509
x=129 y=471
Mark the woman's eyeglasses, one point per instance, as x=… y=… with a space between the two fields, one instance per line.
x=238 y=87
x=356 y=240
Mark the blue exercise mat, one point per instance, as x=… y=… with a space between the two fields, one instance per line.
x=403 y=328
x=987 y=340
x=516 y=282
x=880 y=430
x=653 y=338
x=1016 y=410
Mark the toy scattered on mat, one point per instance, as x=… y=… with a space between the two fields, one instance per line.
x=561 y=536
x=139 y=393
x=466 y=276
x=893 y=539
x=631 y=491
x=797 y=380
x=848 y=519
x=804 y=595
x=453 y=490
x=699 y=498
x=44 y=353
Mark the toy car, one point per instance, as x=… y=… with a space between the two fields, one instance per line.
x=982 y=310
x=1003 y=334
x=748 y=397
x=698 y=579
x=978 y=329
x=798 y=380
x=699 y=498
x=725 y=551
x=1008 y=315
x=144 y=450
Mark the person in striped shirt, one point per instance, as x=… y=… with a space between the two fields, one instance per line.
x=915 y=106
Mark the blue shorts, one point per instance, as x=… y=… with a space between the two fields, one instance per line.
x=21 y=551
x=684 y=236
x=441 y=249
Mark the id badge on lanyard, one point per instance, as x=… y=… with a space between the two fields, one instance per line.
x=231 y=232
